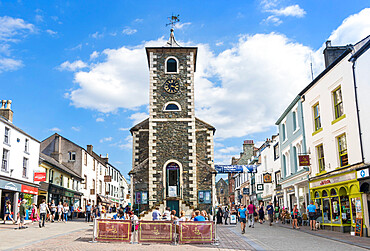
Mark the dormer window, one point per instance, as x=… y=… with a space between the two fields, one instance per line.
x=172 y=106
x=172 y=65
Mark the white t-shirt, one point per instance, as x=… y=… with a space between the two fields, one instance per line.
x=65 y=209
x=60 y=208
x=42 y=208
x=167 y=215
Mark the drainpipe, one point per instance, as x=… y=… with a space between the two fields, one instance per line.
x=358 y=111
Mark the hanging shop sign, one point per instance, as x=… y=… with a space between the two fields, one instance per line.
x=246 y=190
x=259 y=187
x=304 y=160
x=8 y=185
x=333 y=180
x=236 y=168
x=267 y=178
x=30 y=190
x=39 y=176
x=363 y=173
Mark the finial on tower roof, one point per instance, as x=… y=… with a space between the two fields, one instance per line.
x=172 y=41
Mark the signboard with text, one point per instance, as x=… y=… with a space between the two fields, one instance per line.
x=236 y=168
x=29 y=190
x=196 y=232
x=155 y=231
x=113 y=230
x=8 y=185
x=304 y=160
x=39 y=176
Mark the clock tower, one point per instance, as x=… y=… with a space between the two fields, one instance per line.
x=172 y=149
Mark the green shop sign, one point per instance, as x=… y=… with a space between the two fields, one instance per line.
x=69 y=194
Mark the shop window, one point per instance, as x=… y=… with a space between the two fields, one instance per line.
x=335 y=210
x=324 y=193
x=333 y=192
x=356 y=208
x=316 y=116
x=317 y=195
x=338 y=103
x=342 y=150
x=326 y=210
x=346 y=211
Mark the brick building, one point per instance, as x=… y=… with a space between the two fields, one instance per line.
x=172 y=149
x=222 y=192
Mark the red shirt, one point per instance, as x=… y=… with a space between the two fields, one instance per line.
x=251 y=208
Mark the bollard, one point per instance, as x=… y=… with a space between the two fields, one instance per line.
x=94 y=232
x=175 y=236
x=215 y=240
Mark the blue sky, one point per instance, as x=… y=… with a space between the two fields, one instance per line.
x=78 y=67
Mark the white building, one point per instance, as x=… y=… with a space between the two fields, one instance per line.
x=124 y=194
x=336 y=112
x=19 y=160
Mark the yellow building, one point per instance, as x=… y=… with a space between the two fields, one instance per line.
x=62 y=184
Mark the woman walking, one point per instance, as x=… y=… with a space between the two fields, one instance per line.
x=8 y=211
x=34 y=214
x=60 y=212
x=65 y=212
x=261 y=213
x=295 y=216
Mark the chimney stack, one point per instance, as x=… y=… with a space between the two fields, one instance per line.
x=331 y=53
x=5 y=110
x=89 y=149
x=57 y=154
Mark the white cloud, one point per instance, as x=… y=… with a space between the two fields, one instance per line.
x=100 y=120
x=273 y=20
x=129 y=31
x=97 y=35
x=180 y=26
x=292 y=10
x=229 y=149
x=51 y=32
x=39 y=18
x=123 y=129
x=107 y=139
x=9 y=64
x=127 y=144
x=268 y=4
x=94 y=55
x=138 y=20
x=353 y=29
x=219 y=43
x=55 y=129
x=76 y=128
x=74 y=66
x=12 y=27
x=251 y=83
x=138 y=117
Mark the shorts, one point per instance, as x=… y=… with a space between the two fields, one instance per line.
x=294 y=217
x=271 y=217
x=21 y=219
x=311 y=216
x=243 y=220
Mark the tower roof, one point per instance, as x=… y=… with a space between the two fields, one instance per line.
x=172 y=41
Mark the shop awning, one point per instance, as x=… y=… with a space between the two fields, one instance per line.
x=105 y=200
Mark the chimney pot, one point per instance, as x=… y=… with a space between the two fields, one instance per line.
x=8 y=104
x=6 y=112
x=328 y=43
x=3 y=102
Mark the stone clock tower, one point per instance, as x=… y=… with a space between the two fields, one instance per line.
x=172 y=162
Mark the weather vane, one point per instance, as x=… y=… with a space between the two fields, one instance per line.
x=173 y=20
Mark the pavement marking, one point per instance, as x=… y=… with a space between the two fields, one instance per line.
x=45 y=239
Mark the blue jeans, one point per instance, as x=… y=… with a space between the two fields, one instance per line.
x=65 y=216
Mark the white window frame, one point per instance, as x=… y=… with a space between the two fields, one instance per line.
x=285 y=131
x=27 y=145
x=172 y=102
x=25 y=166
x=165 y=65
x=7 y=135
x=72 y=153
x=295 y=109
x=7 y=160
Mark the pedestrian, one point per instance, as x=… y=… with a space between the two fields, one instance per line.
x=242 y=217
x=120 y=215
x=71 y=211
x=219 y=215
x=226 y=215
x=182 y=216
x=173 y=216
x=270 y=213
x=261 y=213
x=311 y=209
x=52 y=211
x=135 y=220
x=251 y=214
x=22 y=214
x=8 y=211
x=167 y=214
x=295 y=216
x=88 y=212
x=192 y=216
x=198 y=217
x=204 y=214
x=34 y=215
x=277 y=212
x=60 y=212
x=156 y=214
x=43 y=210
x=65 y=212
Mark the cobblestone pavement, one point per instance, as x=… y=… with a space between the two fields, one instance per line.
x=76 y=236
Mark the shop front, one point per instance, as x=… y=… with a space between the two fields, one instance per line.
x=363 y=176
x=338 y=200
x=279 y=198
x=296 y=191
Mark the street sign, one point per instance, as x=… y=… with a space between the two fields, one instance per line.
x=246 y=190
x=39 y=176
x=363 y=173
x=236 y=168
x=259 y=187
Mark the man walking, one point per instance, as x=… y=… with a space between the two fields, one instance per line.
x=43 y=210
x=242 y=217
x=270 y=213
x=88 y=212
x=311 y=209
x=251 y=211
x=52 y=210
x=22 y=214
x=156 y=214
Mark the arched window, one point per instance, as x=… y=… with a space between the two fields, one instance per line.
x=317 y=195
x=171 y=65
x=324 y=193
x=172 y=106
x=333 y=192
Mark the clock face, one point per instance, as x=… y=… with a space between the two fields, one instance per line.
x=171 y=86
